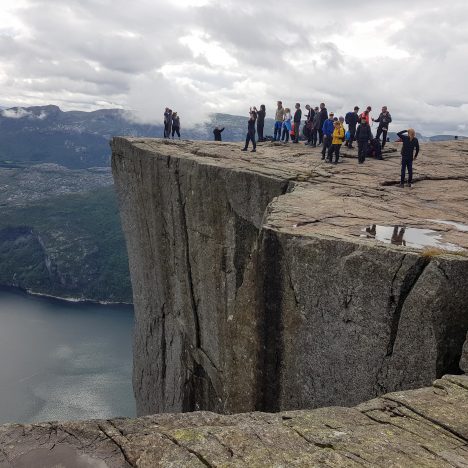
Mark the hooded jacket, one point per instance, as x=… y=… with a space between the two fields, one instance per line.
x=328 y=127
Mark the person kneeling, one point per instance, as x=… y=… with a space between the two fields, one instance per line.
x=337 y=140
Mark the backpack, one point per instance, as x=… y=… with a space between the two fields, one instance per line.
x=347 y=135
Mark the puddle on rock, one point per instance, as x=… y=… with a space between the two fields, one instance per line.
x=408 y=237
x=459 y=226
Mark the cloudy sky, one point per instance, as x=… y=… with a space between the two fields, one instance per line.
x=202 y=56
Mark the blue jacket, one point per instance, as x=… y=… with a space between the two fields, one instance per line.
x=328 y=127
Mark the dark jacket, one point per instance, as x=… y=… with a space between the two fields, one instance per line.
x=251 y=126
x=323 y=116
x=261 y=117
x=409 y=146
x=217 y=133
x=176 y=122
x=297 y=116
x=363 y=133
x=310 y=114
x=352 y=119
x=384 y=119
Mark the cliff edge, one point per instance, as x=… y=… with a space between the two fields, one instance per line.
x=276 y=282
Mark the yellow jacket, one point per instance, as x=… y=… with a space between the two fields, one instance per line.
x=338 y=135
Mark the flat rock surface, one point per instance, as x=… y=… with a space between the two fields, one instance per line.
x=425 y=428
x=343 y=200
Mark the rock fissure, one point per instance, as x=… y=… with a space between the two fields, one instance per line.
x=116 y=443
x=200 y=457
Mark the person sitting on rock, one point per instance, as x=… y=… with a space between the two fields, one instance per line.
x=251 y=131
x=409 y=153
x=363 y=136
x=217 y=133
x=336 y=142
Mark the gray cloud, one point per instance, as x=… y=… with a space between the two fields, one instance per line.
x=227 y=55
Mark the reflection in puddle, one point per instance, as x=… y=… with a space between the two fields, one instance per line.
x=409 y=237
x=459 y=226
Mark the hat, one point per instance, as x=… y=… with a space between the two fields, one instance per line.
x=331 y=113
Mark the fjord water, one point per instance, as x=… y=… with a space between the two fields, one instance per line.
x=61 y=361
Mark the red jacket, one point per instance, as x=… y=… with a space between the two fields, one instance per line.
x=366 y=116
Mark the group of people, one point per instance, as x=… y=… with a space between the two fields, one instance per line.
x=171 y=124
x=323 y=128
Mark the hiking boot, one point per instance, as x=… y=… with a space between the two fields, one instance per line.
x=401 y=185
x=409 y=185
x=244 y=149
x=254 y=151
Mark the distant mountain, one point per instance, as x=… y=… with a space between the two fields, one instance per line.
x=78 y=140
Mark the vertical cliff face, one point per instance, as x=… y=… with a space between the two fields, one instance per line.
x=253 y=291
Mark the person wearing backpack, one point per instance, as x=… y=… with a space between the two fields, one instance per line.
x=363 y=136
x=336 y=142
x=352 y=119
x=409 y=153
x=384 y=120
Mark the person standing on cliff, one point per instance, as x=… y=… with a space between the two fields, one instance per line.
x=261 y=122
x=409 y=153
x=327 y=132
x=297 y=122
x=323 y=118
x=217 y=133
x=352 y=119
x=337 y=140
x=279 y=117
x=251 y=131
x=315 y=127
x=175 y=125
x=384 y=120
x=363 y=136
x=167 y=122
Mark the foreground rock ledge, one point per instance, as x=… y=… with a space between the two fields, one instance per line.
x=255 y=290
x=424 y=428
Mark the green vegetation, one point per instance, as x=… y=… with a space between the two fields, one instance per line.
x=67 y=246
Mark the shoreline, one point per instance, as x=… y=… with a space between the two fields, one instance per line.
x=68 y=300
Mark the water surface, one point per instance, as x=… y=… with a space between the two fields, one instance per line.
x=62 y=361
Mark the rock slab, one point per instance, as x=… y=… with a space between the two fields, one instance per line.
x=257 y=287
x=425 y=428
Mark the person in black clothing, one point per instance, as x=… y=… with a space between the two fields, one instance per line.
x=352 y=119
x=297 y=122
x=323 y=117
x=261 y=122
x=363 y=136
x=309 y=124
x=217 y=133
x=384 y=120
x=408 y=154
x=251 y=131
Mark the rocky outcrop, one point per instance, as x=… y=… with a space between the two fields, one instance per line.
x=424 y=428
x=257 y=287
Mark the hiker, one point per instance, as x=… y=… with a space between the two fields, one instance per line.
x=366 y=115
x=308 y=124
x=251 y=131
x=315 y=127
x=352 y=119
x=327 y=132
x=323 y=118
x=217 y=133
x=286 y=125
x=384 y=120
x=363 y=136
x=175 y=125
x=408 y=154
x=167 y=122
x=336 y=142
x=261 y=122
x=279 y=118
x=297 y=122
x=375 y=150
